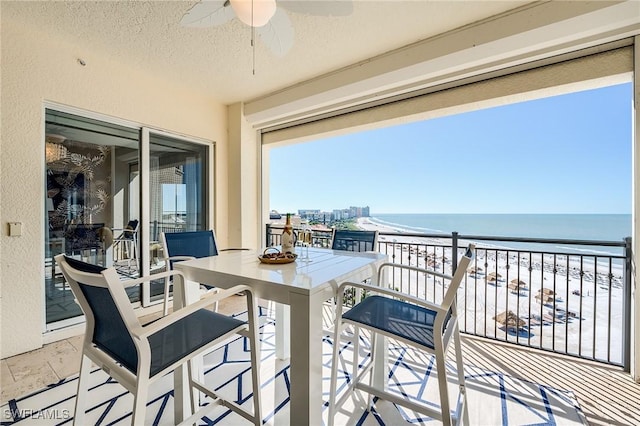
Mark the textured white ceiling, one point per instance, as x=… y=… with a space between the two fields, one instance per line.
x=218 y=61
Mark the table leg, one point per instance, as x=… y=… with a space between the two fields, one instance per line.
x=306 y=360
x=184 y=293
x=283 y=331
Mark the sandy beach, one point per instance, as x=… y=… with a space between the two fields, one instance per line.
x=554 y=295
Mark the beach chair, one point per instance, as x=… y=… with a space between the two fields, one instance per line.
x=136 y=355
x=412 y=322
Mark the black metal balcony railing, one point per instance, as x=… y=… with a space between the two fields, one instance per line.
x=158 y=227
x=566 y=296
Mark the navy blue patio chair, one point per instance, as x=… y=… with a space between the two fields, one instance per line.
x=410 y=321
x=349 y=240
x=180 y=246
x=352 y=240
x=136 y=355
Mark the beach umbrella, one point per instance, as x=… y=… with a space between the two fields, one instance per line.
x=493 y=276
x=510 y=320
x=544 y=298
x=516 y=285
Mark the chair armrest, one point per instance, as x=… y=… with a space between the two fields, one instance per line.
x=133 y=231
x=412 y=268
x=389 y=292
x=130 y=283
x=145 y=331
x=180 y=258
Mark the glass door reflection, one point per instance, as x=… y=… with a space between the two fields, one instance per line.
x=89 y=214
x=178 y=194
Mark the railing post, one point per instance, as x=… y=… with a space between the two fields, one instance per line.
x=626 y=314
x=454 y=252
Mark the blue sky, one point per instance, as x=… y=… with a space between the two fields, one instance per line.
x=564 y=154
x=174 y=198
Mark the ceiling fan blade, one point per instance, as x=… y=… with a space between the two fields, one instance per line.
x=208 y=13
x=319 y=8
x=277 y=34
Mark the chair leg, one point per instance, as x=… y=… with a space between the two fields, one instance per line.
x=441 y=369
x=195 y=373
x=254 y=342
x=83 y=390
x=165 y=307
x=461 y=380
x=356 y=351
x=216 y=303
x=374 y=341
x=338 y=326
x=140 y=401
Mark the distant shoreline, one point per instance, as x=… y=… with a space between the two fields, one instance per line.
x=593 y=227
x=536 y=260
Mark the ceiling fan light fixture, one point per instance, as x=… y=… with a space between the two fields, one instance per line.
x=255 y=13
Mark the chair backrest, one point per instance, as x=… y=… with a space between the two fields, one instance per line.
x=107 y=309
x=83 y=236
x=131 y=229
x=458 y=276
x=354 y=240
x=194 y=243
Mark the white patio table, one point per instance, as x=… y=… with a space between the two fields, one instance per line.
x=304 y=287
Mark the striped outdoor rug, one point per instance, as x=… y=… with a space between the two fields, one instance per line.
x=494 y=398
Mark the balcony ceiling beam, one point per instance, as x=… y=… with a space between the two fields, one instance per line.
x=532 y=32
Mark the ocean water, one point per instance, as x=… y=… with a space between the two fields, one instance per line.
x=601 y=227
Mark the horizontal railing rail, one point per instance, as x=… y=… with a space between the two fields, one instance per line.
x=564 y=296
x=157 y=227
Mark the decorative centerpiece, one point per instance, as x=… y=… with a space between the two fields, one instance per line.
x=273 y=256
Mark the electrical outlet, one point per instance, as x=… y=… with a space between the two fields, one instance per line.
x=15 y=229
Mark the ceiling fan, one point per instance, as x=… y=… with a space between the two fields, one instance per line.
x=270 y=22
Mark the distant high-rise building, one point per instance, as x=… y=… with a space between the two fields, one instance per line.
x=311 y=214
x=335 y=215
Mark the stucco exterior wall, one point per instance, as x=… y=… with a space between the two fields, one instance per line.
x=37 y=68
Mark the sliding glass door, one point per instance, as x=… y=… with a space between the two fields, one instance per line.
x=86 y=202
x=177 y=194
x=110 y=190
